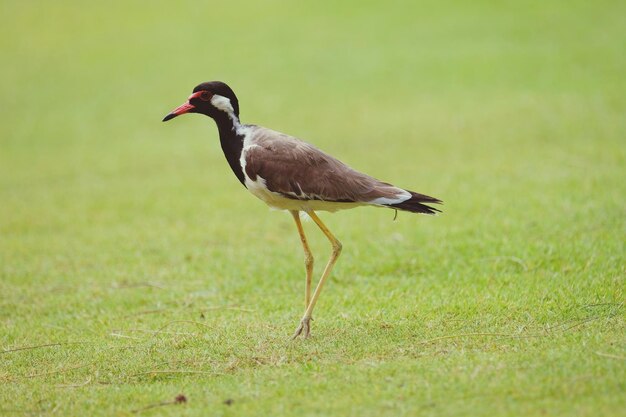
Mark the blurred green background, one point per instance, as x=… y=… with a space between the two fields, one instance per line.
x=132 y=238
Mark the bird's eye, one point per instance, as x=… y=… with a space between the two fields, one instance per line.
x=205 y=96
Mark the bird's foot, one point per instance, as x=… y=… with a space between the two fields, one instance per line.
x=303 y=329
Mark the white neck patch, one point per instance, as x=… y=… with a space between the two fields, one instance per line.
x=222 y=103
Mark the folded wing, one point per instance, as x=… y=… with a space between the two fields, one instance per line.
x=298 y=170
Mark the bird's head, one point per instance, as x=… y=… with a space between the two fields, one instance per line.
x=213 y=98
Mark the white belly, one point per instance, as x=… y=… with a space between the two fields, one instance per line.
x=277 y=201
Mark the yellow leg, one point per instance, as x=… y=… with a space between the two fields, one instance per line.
x=305 y=327
x=308 y=258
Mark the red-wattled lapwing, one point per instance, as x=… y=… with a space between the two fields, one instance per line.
x=292 y=175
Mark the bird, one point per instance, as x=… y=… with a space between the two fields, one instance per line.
x=289 y=174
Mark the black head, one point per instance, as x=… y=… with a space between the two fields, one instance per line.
x=213 y=98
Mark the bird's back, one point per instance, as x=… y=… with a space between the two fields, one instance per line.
x=296 y=170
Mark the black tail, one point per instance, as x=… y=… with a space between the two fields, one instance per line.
x=414 y=204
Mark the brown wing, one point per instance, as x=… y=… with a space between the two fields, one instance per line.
x=300 y=171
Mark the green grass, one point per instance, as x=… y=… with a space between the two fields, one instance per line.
x=130 y=243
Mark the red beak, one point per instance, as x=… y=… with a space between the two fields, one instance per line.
x=182 y=109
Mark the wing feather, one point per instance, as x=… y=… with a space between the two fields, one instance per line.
x=298 y=170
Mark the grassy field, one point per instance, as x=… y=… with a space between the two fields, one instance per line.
x=134 y=267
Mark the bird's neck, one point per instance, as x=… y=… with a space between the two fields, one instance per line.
x=232 y=135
